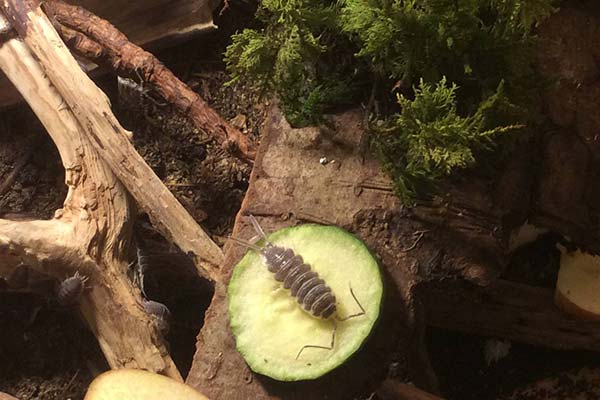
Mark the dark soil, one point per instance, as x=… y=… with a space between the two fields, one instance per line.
x=459 y=361
x=37 y=187
x=45 y=351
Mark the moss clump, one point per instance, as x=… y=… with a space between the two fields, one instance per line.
x=294 y=56
x=429 y=140
x=467 y=64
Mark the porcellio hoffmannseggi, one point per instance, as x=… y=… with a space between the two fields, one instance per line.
x=71 y=289
x=305 y=284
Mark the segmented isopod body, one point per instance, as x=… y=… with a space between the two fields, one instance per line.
x=71 y=289
x=304 y=284
x=160 y=312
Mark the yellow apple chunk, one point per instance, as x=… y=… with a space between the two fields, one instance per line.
x=135 y=384
x=578 y=285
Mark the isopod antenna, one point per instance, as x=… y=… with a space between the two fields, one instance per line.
x=258 y=228
x=246 y=243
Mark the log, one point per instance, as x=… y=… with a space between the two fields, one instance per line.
x=99 y=41
x=94 y=224
x=149 y=23
x=509 y=310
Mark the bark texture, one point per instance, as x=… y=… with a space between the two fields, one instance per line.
x=439 y=239
x=518 y=312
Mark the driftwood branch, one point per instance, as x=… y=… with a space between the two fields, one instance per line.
x=508 y=310
x=92 y=232
x=98 y=40
x=148 y=23
x=91 y=109
x=45 y=244
x=88 y=234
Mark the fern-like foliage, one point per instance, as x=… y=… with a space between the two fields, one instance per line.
x=429 y=140
x=469 y=61
x=289 y=56
x=474 y=43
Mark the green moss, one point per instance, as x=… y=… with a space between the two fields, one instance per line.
x=429 y=140
x=470 y=58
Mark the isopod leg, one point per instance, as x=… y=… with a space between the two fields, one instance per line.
x=362 y=310
x=315 y=346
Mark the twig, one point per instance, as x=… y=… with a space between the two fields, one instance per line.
x=68 y=385
x=99 y=41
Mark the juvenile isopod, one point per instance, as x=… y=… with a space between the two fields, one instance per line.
x=70 y=289
x=160 y=312
x=310 y=290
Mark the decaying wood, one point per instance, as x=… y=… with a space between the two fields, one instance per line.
x=393 y=390
x=514 y=311
x=91 y=234
x=440 y=240
x=149 y=23
x=98 y=40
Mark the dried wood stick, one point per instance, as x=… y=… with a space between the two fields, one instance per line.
x=98 y=40
x=91 y=108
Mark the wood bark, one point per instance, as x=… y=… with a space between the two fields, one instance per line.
x=149 y=23
x=508 y=310
x=462 y=235
x=98 y=40
x=439 y=240
x=91 y=234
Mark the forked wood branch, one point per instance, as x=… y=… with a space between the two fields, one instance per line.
x=98 y=40
x=91 y=108
x=92 y=232
x=89 y=234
